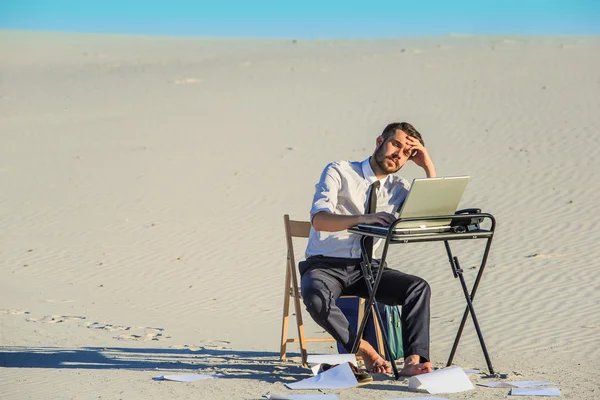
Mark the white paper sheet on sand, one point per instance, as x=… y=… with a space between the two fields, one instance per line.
x=302 y=397
x=447 y=380
x=516 y=384
x=340 y=377
x=470 y=372
x=535 y=392
x=184 y=378
x=315 y=361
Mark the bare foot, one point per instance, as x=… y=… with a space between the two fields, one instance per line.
x=373 y=361
x=412 y=366
x=416 y=369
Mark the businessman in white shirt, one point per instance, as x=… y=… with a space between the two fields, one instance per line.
x=333 y=256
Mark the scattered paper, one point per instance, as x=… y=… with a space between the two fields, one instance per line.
x=448 y=380
x=470 y=372
x=535 y=392
x=302 y=397
x=516 y=384
x=340 y=377
x=184 y=378
x=315 y=361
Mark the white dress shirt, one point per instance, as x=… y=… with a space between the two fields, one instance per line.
x=343 y=189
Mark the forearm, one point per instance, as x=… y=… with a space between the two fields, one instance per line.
x=328 y=222
x=430 y=170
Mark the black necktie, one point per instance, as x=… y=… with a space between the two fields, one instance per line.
x=371 y=209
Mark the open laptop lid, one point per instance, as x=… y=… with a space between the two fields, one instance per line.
x=432 y=197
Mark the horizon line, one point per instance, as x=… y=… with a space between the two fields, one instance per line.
x=293 y=38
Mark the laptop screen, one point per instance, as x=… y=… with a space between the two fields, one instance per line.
x=432 y=197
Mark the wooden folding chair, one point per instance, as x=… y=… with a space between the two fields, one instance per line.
x=301 y=229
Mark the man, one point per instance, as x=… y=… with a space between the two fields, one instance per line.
x=333 y=256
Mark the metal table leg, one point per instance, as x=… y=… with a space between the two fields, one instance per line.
x=372 y=285
x=458 y=273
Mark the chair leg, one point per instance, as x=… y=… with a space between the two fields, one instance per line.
x=361 y=312
x=301 y=336
x=286 y=312
x=378 y=334
x=299 y=323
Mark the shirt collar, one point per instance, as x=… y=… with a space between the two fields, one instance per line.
x=369 y=174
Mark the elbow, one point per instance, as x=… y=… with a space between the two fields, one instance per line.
x=317 y=222
x=317 y=226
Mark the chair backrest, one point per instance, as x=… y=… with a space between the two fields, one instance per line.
x=300 y=229
x=293 y=228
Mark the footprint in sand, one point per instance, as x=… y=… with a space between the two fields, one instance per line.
x=141 y=333
x=13 y=312
x=56 y=319
x=107 y=327
x=185 y=347
x=217 y=345
x=133 y=333
x=146 y=335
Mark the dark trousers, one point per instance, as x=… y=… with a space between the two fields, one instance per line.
x=324 y=279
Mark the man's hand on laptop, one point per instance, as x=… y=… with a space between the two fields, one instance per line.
x=380 y=218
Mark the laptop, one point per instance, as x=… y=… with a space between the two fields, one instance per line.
x=428 y=197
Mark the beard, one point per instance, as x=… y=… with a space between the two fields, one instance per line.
x=387 y=164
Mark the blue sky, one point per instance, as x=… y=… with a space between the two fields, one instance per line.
x=305 y=18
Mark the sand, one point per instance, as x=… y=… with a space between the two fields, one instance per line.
x=143 y=182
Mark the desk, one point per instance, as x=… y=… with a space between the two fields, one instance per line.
x=446 y=237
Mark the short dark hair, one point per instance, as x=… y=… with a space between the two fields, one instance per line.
x=407 y=128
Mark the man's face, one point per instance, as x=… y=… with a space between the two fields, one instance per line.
x=391 y=153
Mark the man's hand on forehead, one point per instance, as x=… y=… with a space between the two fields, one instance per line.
x=412 y=144
x=420 y=156
x=412 y=140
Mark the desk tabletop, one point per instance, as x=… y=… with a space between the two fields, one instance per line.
x=425 y=237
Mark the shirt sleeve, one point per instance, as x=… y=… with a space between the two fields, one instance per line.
x=326 y=193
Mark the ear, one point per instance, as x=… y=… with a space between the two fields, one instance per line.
x=379 y=140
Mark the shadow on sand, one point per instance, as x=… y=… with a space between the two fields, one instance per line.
x=264 y=366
